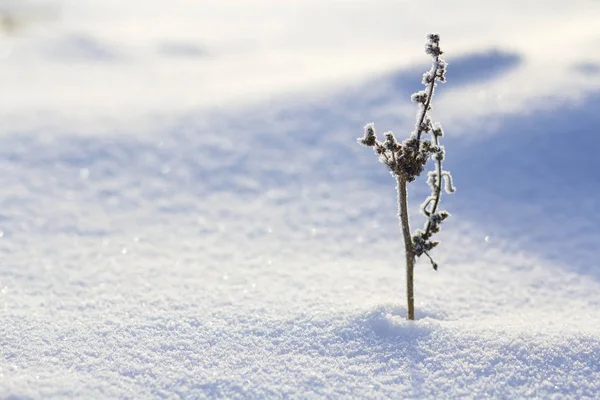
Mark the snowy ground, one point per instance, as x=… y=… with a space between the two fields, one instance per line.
x=185 y=211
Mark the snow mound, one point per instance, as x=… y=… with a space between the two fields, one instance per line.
x=369 y=354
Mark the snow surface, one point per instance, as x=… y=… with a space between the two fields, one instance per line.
x=185 y=212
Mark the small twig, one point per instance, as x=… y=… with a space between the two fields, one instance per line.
x=437 y=191
x=431 y=87
x=407 y=160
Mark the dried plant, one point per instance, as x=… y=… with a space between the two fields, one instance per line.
x=406 y=161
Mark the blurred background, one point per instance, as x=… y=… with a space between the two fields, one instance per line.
x=149 y=57
x=203 y=107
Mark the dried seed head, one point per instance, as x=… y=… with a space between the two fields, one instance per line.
x=390 y=143
x=369 y=139
x=437 y=129
x=433 y=38
x=440 y=71
x=419 y=97
x=439 y=153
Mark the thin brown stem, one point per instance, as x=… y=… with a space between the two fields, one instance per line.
x=438 y=189
x=408 y=248
x=429 y=96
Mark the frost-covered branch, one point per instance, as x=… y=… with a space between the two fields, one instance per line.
x=422 y=239
x=422 y=242
x=406 y=161
x=424 y=97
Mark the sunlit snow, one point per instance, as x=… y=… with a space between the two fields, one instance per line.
x=185 y=212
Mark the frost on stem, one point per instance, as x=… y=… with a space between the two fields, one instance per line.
x=419 y=97
x=408 y=158
x=406 y=161
x=448 y=186
x=421 y=240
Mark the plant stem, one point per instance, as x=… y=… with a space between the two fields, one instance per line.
x=438 y=189
x=429 y=97
x=410 y=256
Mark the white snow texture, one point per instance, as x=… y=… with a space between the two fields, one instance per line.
x=185 y=213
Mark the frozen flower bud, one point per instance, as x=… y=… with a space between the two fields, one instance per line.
x=432 y=179
x=433 y=45
x=390 y=141
x=418 y=243
x=426 y=146
x=419 y=97
x=440 y=71
x=433 y=49
x=369 y=139
x=425 y=125
x=427 y=78
x=430 y=244
x=433 y=38
x=439 y=153
x=437 y=130
x=437 y=218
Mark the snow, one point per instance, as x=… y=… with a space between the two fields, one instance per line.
x=185 y=211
